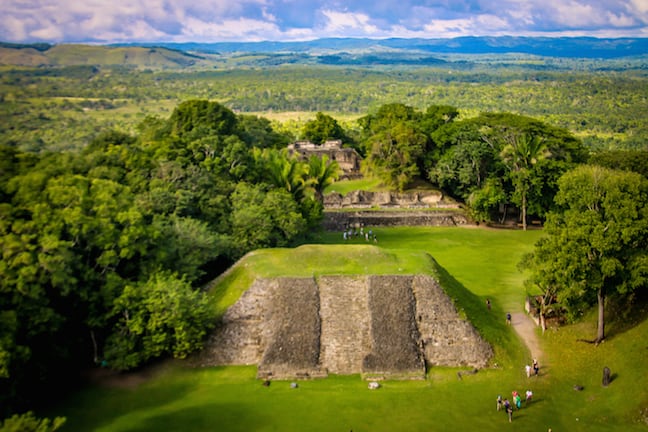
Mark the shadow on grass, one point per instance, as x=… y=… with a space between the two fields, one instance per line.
x=623 y=315
x=218 y=417
x=489 y=323
x=97 y=405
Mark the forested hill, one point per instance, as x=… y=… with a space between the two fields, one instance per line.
x=341 y=51
x=577 y=47
x=45 y=55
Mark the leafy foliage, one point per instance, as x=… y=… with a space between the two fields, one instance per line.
x=323 y=128
x=394 y=144
x=103 y=250
x=628 y=160
x=162 y=315
x=595 y=247
x=27 y=422
x=263 y=218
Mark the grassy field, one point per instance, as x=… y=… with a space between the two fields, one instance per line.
x=474 y=264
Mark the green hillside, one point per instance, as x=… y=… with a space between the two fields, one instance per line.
x=93 y=55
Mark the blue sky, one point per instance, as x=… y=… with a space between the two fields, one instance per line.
x=107 y=21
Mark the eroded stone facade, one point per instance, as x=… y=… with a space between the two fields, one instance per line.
x=347 y=158
x=378 y=326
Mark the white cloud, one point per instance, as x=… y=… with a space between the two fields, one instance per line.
x=481 y=25
x=640 y=7
x=217 y=20
x=621 y=20
x=339 y=23
x=14 y=28
x=230 y=30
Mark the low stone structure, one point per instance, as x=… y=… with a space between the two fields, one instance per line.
x=365 y=200
x=363 y=208
x=347 y=158
x=379 y=326
x=338 y=221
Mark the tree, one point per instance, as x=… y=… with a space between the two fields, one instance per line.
x=183 y=245
x=284 y=171
x=322 y=128
x=464 y=167
x=258 y=132
x=520 y=153
x=395 y=144
x=197 y=118
x=628 y=160
x=264 y=218
x=596 y=245
x=436 y=116
x=485 y=200
x=163 y=315
x=321 y=173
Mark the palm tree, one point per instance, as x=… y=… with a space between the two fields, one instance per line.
x=286 y=172
x=322 y=173
x=520 y=153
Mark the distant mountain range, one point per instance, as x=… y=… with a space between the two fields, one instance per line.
x=578 y=47
x=338 y=51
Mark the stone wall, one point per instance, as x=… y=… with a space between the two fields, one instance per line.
x=338 y=221
x=365 y=200
x=387 y=209
x=378 y=326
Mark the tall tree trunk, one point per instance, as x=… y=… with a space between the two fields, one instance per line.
x=504 y=213
x=600 y=335
x=524 y=206
x=95 y=354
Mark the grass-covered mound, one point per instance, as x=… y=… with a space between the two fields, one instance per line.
x=313 y=261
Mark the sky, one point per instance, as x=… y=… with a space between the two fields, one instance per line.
x=113 y=21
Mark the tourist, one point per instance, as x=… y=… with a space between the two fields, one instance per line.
x=529 y=395
x=528 y=370
x=509 y=410
x=500 y=402
x=508 y=318
x=536 y=368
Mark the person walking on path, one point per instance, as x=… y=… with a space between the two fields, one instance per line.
x=529 y=395
x=508 y=318
x=536 y=368
x=517 y=400
x=527 y=368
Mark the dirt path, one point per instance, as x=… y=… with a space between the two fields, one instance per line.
x=525 y=327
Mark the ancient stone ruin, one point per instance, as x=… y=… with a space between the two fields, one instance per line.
x=378 y=326
x=347 y=158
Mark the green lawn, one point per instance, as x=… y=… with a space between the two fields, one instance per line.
x=473 y=264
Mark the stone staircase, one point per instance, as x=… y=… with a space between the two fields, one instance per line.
x=344 y=313
x=378 y=326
